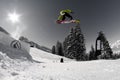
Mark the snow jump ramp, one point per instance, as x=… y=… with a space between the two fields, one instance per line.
x=15 y=49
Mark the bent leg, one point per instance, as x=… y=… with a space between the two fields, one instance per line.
x=69 y=16
x=63 y=18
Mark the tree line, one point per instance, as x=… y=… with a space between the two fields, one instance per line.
x=73 y=47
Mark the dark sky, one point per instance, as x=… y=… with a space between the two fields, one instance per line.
x=38 y=17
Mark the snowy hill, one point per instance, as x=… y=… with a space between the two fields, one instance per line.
x=13 y=48
x=44 y=56
x=16 y=69
x=34 y=44
x=47 y=66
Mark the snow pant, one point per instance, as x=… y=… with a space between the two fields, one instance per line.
x=67 y=15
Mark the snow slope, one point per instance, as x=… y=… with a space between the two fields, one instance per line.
x=13 y=48
x=15 y=69
x=43 y=56
x=7 y=40
x=95 y=70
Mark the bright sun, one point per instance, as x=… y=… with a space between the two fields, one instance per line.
x=14 y=17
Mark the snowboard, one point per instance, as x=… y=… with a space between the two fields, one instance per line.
x=67 y=21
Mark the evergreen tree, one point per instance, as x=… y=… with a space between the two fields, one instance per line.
x=53 y=50
x=92 y=54
x=59 y=49
x=22 y=38
x=116 y=56
x=74 y=44
x=106 y=52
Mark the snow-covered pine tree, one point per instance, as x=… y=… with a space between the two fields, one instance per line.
x=92 y=53
x=53 y=50
x=22 y=38
x=74 y=44
x=59 y=49
x=107 y=51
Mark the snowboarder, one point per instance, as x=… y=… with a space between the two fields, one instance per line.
x=66 y=14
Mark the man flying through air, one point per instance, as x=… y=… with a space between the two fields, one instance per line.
x=66 y=14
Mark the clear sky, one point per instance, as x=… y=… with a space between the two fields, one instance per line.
x=37 y=20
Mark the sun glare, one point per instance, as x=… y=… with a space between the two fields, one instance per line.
x=14 y=17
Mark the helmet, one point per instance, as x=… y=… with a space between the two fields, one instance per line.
x=62 y=12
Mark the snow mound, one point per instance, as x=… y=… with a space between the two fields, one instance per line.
x=15 y=53
x=13 y=48
x=11 y=67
